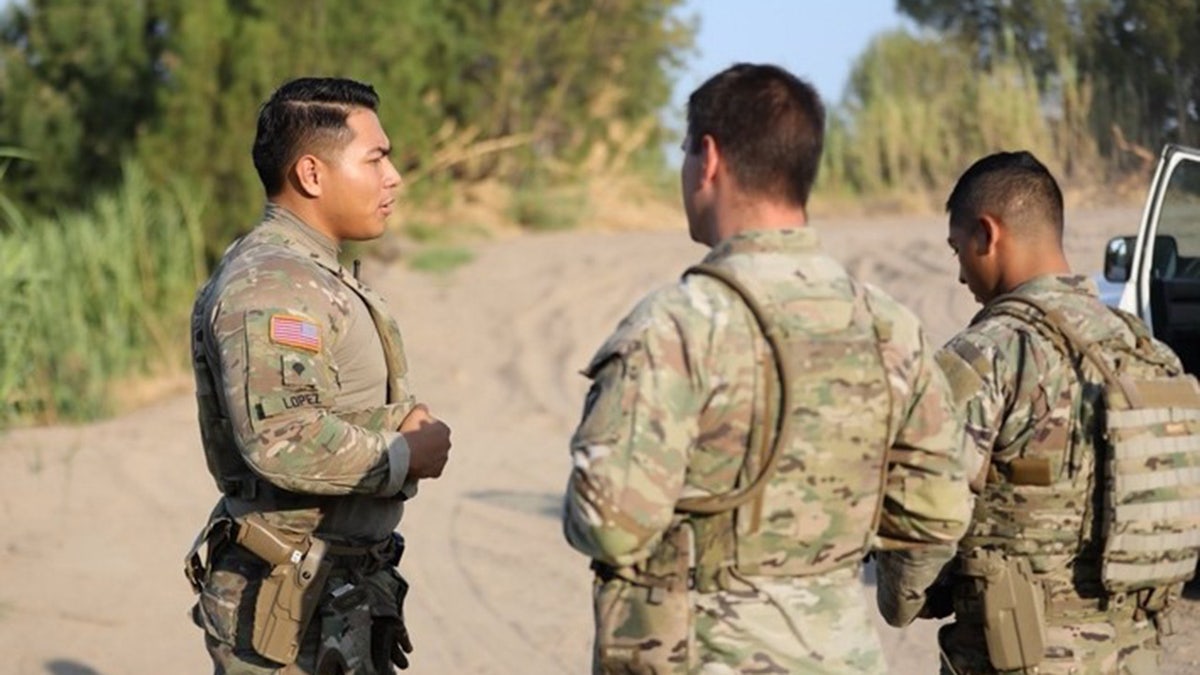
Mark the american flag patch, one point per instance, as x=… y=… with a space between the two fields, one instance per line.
x=295 y=332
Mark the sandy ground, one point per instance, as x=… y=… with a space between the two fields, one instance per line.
x=94 y=520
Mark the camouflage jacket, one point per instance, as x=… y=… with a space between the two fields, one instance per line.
x=1031 y=449
x=300 y=377
x=671 y=414
x=1014 y=383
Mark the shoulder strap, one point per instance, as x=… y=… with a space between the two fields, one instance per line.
x=1055 y=320
x=1143 y=338
x=783 y=427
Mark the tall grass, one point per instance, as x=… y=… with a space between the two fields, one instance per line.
x=919 y=111
x=95 y=297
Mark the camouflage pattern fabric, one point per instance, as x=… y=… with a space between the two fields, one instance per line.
x=1032 y=431
x=676 y=411
x=301 y=386
x=748 y=629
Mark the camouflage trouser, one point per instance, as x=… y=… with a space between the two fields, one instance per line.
x=788 y=625
x=226 y=612
x=1096 y=648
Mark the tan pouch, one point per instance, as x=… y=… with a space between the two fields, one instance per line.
x=1013 y=610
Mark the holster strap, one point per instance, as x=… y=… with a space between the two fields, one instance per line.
x=216 y=532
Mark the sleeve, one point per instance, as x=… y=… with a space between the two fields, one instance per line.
x=972 y=367
x=631 y=450
x=272 y=342
x=927 y=500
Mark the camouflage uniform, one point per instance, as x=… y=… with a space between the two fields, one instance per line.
x=301 y=386
x=680 y=407
x=1022 y=398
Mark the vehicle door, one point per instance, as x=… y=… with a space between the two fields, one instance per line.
x=1166 y=268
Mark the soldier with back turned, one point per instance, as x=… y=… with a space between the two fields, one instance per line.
x=753 y=430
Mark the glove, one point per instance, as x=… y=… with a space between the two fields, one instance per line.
x=402 y=647
x=939 y=603
x=389 y=644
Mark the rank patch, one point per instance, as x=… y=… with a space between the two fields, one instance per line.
x=295 y=332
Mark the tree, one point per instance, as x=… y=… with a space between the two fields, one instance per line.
x=1147 y=59
x=57 y=60
x=178 y=85
x=1140 y=59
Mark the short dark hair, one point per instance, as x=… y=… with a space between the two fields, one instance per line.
x=305 y=115
x=768 y=124
x=1016 y=188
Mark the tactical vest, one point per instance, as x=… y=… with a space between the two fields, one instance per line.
x=811 y=498
x=225 y=463
x=1117 y=493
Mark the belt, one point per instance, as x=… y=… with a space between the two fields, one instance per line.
x=369 y=558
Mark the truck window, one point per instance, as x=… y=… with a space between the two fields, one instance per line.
x=1177 y=247
x=1174 y=274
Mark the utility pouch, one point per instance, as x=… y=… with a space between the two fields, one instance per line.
x=1013 y=609
x=643 y=622
x=345 y=632
x=289 y=595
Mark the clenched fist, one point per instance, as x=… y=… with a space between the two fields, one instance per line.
x=428 y=441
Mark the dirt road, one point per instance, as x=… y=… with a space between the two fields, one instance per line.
x=94 y=520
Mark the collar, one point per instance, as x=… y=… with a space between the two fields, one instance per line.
x=1058 y=284
x=299 y=235
x=794 y=240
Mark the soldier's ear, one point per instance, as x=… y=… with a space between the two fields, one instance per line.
x=987 y=234
x=306 y=175
x=711 y=156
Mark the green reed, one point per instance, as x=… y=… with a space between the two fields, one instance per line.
x=96 y=298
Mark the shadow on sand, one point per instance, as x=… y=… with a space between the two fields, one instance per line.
x=534 y=503
x=68 y=667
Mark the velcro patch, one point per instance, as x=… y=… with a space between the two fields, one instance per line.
x=295 y=332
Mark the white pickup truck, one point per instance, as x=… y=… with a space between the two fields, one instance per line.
x=1156 y=275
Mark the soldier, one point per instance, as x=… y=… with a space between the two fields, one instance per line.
x=1045 y=580
x=308 y=424
x=753 y=430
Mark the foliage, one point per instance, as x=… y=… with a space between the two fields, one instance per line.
x=440 y=259
x=95 y=296
x=541 y=207
x=470 y=89
x=78 y=79
x=918 y=110
x=10 y=214
x=1139 y=59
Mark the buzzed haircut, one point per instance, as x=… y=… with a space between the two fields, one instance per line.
x=769 y=126
x=306 y=115
x=1016 y=188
